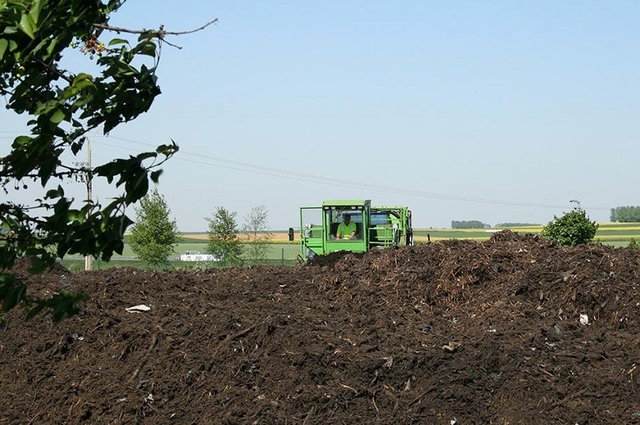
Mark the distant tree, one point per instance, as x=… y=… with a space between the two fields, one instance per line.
x=628 y=214
x=468 y=224
x=572 y=228
x=154 y=235
x=223 y=237
x=255 y=227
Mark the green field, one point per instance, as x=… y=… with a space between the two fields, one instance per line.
x=280 y=251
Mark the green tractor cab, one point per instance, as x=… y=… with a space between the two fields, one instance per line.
x=352 y=225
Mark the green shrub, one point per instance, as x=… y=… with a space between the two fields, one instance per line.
x=633 y=243
x=571 y=229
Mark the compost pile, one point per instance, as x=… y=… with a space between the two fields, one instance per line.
x=515 y=330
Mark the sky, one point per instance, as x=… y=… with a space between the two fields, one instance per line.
x=497 y=111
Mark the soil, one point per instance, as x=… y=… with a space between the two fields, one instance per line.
x=514 y=330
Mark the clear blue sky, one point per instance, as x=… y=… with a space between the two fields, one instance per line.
x=462 y=110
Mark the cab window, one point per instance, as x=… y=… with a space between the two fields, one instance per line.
x=336 y=215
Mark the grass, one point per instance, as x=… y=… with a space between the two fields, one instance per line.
x=277 y=253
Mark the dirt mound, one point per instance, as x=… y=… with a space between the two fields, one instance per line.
x=331 y=259
x=23 y=265
x=511 y=330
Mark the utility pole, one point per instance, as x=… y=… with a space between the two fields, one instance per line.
x=86 y=178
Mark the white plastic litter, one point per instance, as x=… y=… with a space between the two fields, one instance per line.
x=138 y=308
x=584 y=319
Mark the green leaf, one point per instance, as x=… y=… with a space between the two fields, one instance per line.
x=57 y=116
x=82 y=81
x=54 y=193
x=6 y=279
x=168 y=150
x=22 y=142
x=116 y=41
x=28 y=26
x=61 y=305
x=52 y=46
x=148 y=49
x=145 y=155
x=35 y=310
x=39 y=46
x=155 y=176
x=12 y=292
x=34 y=13
x=4 y=43
x=65 y=304
x=40 y=261
x=136 y=186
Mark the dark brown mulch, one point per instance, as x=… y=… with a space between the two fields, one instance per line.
x=451 y=332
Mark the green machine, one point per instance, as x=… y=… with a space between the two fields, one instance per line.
x=370 y=227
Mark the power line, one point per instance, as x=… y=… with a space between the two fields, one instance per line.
x=312 y=178
x=235 y=165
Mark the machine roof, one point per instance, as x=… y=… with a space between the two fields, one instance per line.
x=346 y=203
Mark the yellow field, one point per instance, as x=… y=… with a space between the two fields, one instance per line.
x=619 y=233
x=276 y=237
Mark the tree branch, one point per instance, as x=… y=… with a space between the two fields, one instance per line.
x=55 y=71
x=160 y=33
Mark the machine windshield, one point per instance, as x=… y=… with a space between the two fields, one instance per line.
x=345 y=223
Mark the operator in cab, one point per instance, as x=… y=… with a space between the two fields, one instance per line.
x=346 y=229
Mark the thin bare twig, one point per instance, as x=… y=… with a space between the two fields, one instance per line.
x=158 y=33
x=170 y=44
x=55 y=71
